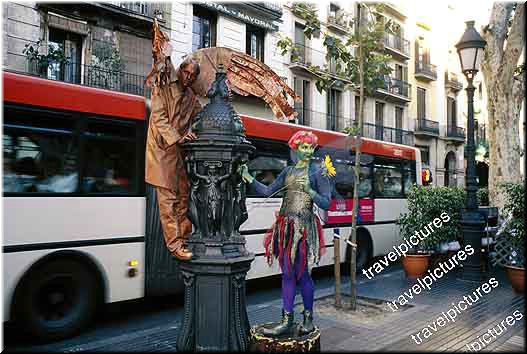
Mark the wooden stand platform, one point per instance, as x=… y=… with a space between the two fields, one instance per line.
x=287 y=343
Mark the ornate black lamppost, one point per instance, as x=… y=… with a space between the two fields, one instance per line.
x=215 y=317
x=470 y=49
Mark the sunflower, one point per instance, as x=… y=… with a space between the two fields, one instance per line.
x=329 y=168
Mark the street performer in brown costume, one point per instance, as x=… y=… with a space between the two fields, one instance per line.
x=174 y=106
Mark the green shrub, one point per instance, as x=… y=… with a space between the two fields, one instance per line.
x=424 y=205
x=514 y=211
x=483 y=196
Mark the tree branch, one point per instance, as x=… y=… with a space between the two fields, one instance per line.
x=515 y=43
x=495 y=33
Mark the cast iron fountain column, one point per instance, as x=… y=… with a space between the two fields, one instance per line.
x=215 y=314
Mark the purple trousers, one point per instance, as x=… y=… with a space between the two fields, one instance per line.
x=289 y=280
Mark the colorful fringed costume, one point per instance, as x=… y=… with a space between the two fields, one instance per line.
x=296 y=239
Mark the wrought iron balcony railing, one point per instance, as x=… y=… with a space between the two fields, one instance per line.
x=428 y=70
x=398 y=43
x=93 y=76
x=455 y=132
x=427 y=126
x=397 y=87
x=451 y=80
x=148 y=9
x=338 y=122
x=392 y=135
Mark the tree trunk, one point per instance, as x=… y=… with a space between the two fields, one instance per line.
x=505 y=95
x=353 y=260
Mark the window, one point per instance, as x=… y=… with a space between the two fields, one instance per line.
x=333 y=10
x=399 y=125
x=266 y=164
x=110 y=157
x=451 y=113
x=303 y=89
x=55 y=153
x=450 y=170
x=203 y=29
x=333 y=110
x=409 y=177
x=379 y=120
x=71 y=45
x=421 y=103
x=388 y=179
x=425 y=154
x=39 y=159
x=300 y=45
x=345 y=178
x=254 y=45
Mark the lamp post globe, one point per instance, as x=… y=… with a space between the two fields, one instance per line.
x=471 y=48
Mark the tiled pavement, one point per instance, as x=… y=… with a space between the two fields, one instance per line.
x=390 y=335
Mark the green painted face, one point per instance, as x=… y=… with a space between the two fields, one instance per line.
x=305 y=151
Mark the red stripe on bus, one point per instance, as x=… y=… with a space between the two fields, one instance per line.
x=271 y=129
x=25 y=89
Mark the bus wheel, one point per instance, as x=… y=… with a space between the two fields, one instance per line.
x=57 y=300
x=364 y=252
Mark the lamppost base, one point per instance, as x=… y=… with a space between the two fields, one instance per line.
x=472 y=224
x=215 y=314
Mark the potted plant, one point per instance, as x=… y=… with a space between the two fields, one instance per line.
x=38 y=62
x=425 y=204
x=513 y=230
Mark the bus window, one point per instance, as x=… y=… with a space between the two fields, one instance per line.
x=265 y=169
x=409 y=177
x=388 y=180
x=345 y=180
x=110 y=158
x=39 y=162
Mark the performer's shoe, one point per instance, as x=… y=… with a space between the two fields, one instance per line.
x=181 y=252
x=286 y=325
x=307 y=326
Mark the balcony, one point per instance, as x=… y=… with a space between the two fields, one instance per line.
x=337 y=21
x=308 y=60
x=455 y=133
x=397 y=46
x=395 y=90
x=269 y=10
x=452 y=82
x=425 y=71
x=426 y=127
x=94 y=76
x=140 y=10
x=391 y=135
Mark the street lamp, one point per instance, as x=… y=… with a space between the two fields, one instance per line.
x=470 y=49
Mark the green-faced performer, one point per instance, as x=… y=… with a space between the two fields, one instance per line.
x=296 y=238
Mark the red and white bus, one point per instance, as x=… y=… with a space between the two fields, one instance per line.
x=81 y=228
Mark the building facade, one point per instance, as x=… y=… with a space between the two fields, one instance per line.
x=418 y=105
x=105 y=45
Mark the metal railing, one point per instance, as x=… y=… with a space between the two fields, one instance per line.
x=338 y=122
x=392 y=135
x=452 y=80
x=398 y=87
x=306 y=57
x=397 y=42
x=93 y=76
x=425 y=125
x=425 y=68
x=149 y=9
x=455 y=132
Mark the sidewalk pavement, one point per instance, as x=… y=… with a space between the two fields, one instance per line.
x=390 y=335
